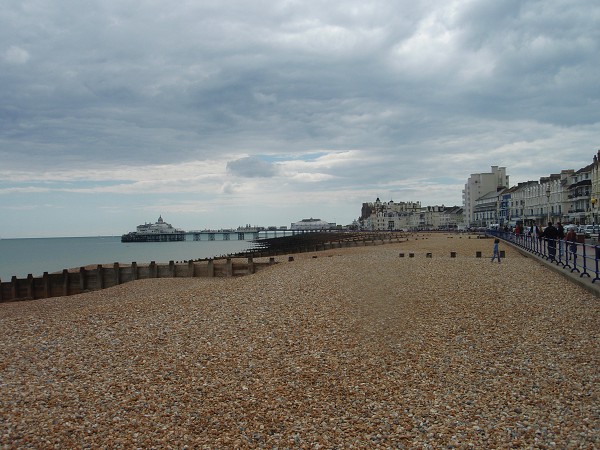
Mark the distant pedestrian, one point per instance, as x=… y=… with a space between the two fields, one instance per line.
x=550 y=233
x=496 y=251
x=571 y=239
x=560 y=231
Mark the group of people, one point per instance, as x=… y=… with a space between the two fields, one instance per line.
x=555 y=233
x=551 y=233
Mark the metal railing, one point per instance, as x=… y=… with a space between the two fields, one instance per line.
x=574 y=256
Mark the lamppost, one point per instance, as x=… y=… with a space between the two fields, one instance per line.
x=548 y=197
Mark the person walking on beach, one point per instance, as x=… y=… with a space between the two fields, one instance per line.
x=550 y=233
x=496 y=251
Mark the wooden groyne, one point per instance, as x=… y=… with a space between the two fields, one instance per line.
x=86 y=279
x=319 y=241
x=69 y=282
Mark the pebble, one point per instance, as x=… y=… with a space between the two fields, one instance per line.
x=360 y=349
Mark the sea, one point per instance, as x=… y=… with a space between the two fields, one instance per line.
x=20 y=257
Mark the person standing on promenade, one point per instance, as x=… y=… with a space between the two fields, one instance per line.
x=571 y=239
x=559 y=239
x=550 y=233
x=561 y=231
x=496 y=251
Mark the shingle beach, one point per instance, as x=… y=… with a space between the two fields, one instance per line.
x=348 y=348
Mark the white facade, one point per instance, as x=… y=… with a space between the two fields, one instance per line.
x=312 y=224
x=389 y=216
x=480 y=184
x=159 y=227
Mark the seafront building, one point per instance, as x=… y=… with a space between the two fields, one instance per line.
x=571 y=196
x=386 y=216
x=312 y=225
x=479 y=186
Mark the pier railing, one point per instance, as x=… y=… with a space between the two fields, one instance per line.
x=577 y=257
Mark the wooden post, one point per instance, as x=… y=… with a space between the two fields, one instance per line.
x=229 y=267
x=30 y=286
x=82 y=279
x=477 y=254
x=99 y=280
x=46 y=283
x=117 y=273
x=172 y=269
x=211 y=268
x=190 y=268
x=152 y=269
x=13 y=287
x=271 y=260
x=452 y=254
x=250 y=265
x=65 y=274
x=134 y=271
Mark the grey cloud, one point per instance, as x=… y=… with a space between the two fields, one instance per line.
x=124 y=81
x=252 y=167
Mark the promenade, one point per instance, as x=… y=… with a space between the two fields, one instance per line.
x=344 y=348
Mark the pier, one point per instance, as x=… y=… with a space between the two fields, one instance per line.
x=243 y=235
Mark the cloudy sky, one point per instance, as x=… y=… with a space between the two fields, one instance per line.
x=228 y=112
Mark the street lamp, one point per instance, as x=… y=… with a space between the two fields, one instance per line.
x=548 y=197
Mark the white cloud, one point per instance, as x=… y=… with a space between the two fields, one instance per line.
x=16 y=55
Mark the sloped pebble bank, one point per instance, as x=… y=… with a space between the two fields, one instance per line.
x=353 y=348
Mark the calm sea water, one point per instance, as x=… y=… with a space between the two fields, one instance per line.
x=20 y=257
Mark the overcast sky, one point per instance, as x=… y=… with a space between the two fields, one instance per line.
x=226 y=113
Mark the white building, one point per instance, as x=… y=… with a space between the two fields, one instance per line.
x=478 y=185
x=312 y=224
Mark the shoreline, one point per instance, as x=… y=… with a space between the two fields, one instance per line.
x=343 y=347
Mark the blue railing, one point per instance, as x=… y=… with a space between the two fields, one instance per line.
x=574 y=256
